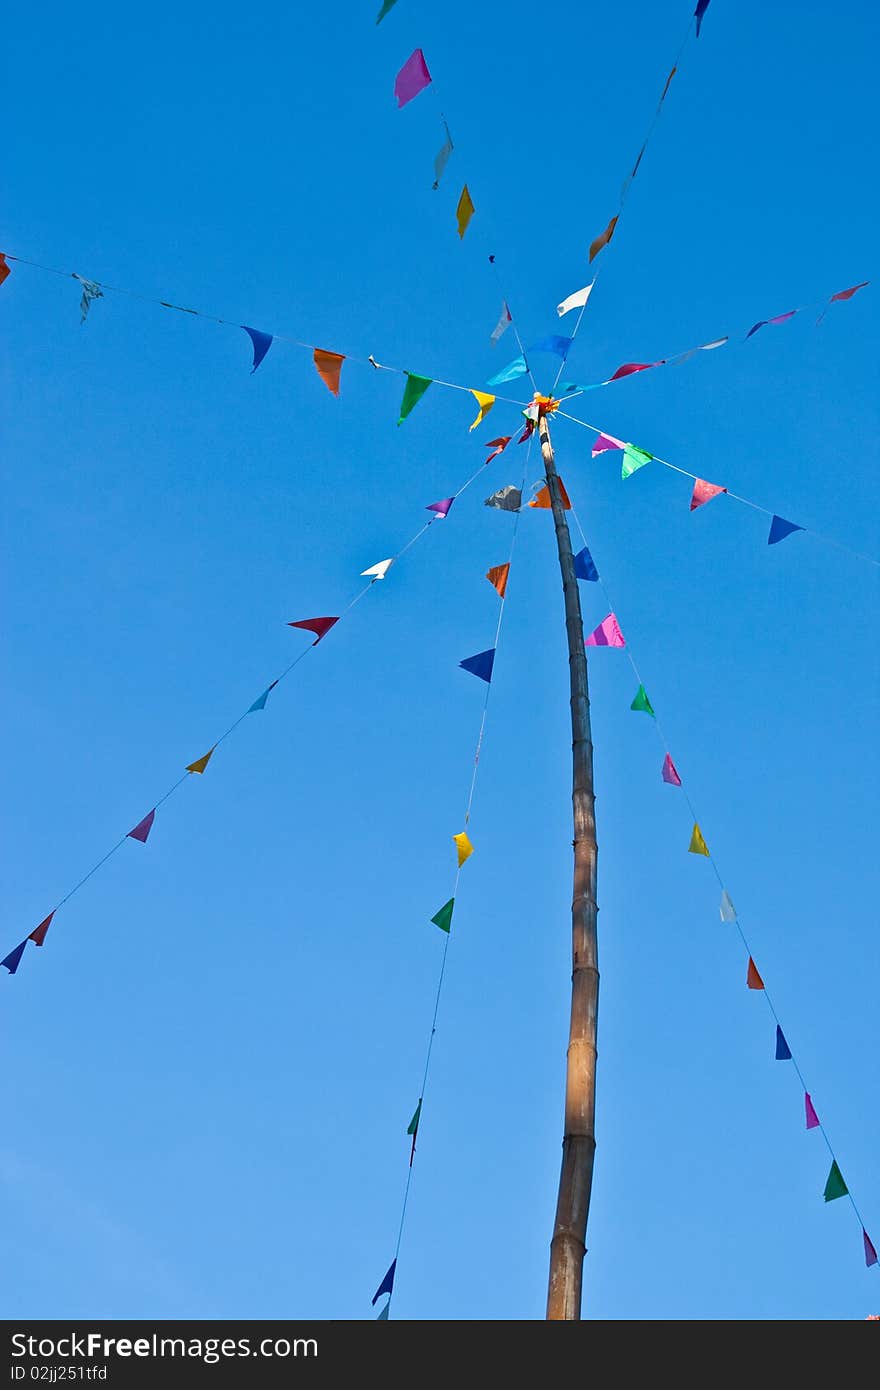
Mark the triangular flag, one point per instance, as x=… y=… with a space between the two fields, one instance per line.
x=846 y=294
x=143 y=828
x=698 y=844
x=607 y=634
x=554 y=343
x=441 y=158
x=870 y=1252
x=260 y=702
x=633 y=460
x=641 y=702
x=527 y=432
x=321 y=626
x=509 y=373
x=412 y=78
x=13 y=960
x=753 y=978
x=38 y=935
x=387 y=1283
x=5 y=269
x=669 y=773
x=630 y=368
x=262 y=343
x=704 y=492
x=378 y=571
x=463 y=848
x=602 y=240
x=575 y=301
x=783 y=1051
x=506 y=499
x=780 y=528
x=728 y=911
x=502 y=325
x=584 y=567
x=485 y=403
x=441 y=507
x=480 y=665
x=835 y=1186
x=498 y=446
x=386 y=6
x=497 y=577
x=443 y=917
x=542 y=497
x=201 y=763
x=464 y=212
x=329 y=365
x=810 y=1112
x=605 y=442
x=413 y=1126
x=90 y=291
x=702 y=7
x=415 y=388
x=383 y=1316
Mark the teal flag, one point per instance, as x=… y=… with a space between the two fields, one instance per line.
x=835 y=1186
x=413 y=1126
x=386 y=6
x=443 y=918
x=415 y=388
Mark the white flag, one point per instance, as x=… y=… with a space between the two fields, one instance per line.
x=575 y=301
x=501 y=326
x=728 y=911
x=378 y=571
x=441 y=158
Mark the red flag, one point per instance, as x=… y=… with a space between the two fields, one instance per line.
x=629 y=367
x=498 y=446
x=841 y=294
x=4 y=271
x=143 y=828
x=329 y=365
x=704 y=492
x=527 y=432
x=497 y=577
x=319 y=625
x=38 y=935
x=753 y=979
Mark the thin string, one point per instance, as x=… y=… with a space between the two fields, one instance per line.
x=734 y=496
x=721 y=883
x=493 y=261
x=470 y=801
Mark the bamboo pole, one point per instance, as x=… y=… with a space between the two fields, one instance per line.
x=567 y=1248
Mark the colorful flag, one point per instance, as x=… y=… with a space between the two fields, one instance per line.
x=480 y=665
x=320 y=626
x=633 y=460
x=698 y=844
x=415 y=388
x=201 y=763
x=605 y=442
x=90 y=292
x=412 y=78
x=261 y=344
x=502 y=325
x=378 y=571
x=753 y=979
x=669 y=773
x=506 y=499
x=835 y=1186
x=329 y=365
x=463 y=848
x=498 y=446
x=809 y=1110
x=13 y=960
x=841 y=294
x=509 y=373
x=260 y=702
x=553 y=343
x=728 y=911
x=780 y=528
x=702 y=7
x=443 y=917
x=642 y=703
x=143 y=828
x=442 y=507
x=704 y=492
x=464 y=212
x=870 y=1252
x=602 y=240
x=542 y=497
x=584 y=568
x=386 y=6
x=38 y=935
x=485 y=402
x=783 y=1051
x=497 y=577
x=387 y=1283
x=630 y=368
x=441 y=158
x=575 y=301
x=607 y=634
x=4 y=268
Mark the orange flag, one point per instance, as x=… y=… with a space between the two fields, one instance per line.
x=464 y=212
x=753 y=979
x=603 y=240
x=329 y=365
x=497 y=577
x=542 y=498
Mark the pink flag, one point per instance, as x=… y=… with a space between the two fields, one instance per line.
x=606 y=441
x=142 y=829
x=812 y=1117
x=870 y=1252
x=704 y=492
x=441 y=508
x=607 y=634
x=669 y=773
x=412 y=78
x=783 y=318
x=629 y=367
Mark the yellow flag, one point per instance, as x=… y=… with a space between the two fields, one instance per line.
x=201 y=763
x=465 y=211
x=698 y=844
x=464 y=847
x=485 y=402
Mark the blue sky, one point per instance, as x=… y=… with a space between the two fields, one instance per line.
x=211 y=1064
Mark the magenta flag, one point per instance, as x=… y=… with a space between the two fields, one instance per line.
x=441 y=508
x=142 y=829
x=629 y=367
x=606 y=441
x=704 y=492
x=812 y=1117
x=412 y=78
x=669 y=773
x=607 y=634
x=870 y=1252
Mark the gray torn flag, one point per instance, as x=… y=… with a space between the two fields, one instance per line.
x=90 y=291
x=441 y=159
x=508 y=499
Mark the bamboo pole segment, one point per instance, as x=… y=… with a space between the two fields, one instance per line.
x=567 y=1247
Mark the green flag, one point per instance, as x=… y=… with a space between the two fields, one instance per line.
x=443 y=918
x=633 y=460
x=835 y=1186
x=415 y=388
x=413 y=1126
x=386 y=6
x=641 y=702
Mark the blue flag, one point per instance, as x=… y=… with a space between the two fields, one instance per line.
x=553 y=344
x=509 y=373
x=783 y=1051
x=262 y=343
x=13 y=960
x=583 y=565
x=480 y=665
x=384 y=1313
x=780 y=528
x=260 y=702
x=387 y=1283
x=702 y=7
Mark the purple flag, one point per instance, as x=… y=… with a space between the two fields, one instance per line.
x=441 y=508
x=143 y=828
x=812 y=1117
x=607 y=634
x=669 y=773
x=412 y=78
x=870 y=1252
